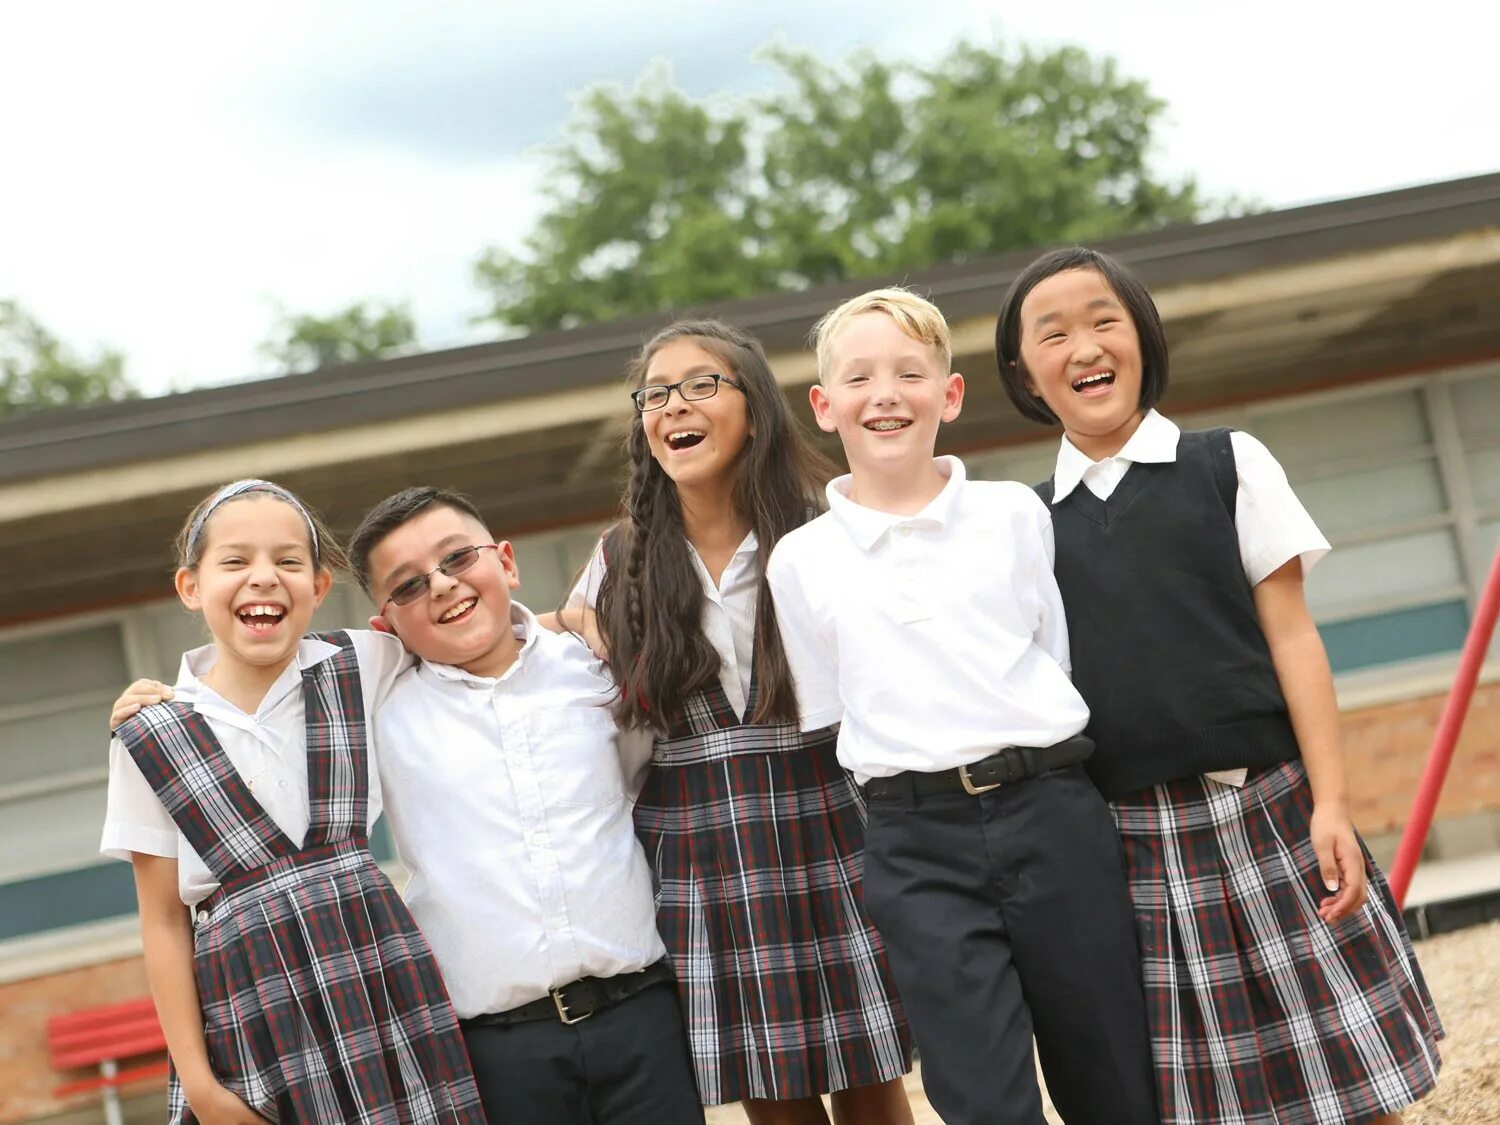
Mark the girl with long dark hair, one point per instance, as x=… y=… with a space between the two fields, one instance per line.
x=754 y=832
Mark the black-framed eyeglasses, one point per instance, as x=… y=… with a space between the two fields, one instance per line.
x=453 y=564
x=692 y=389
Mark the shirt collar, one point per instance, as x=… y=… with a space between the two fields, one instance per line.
x=525 y=627
x=1154 y=442
x=191 y=689
x=866 y=525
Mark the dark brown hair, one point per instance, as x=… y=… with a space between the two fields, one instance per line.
x=397 y=511
x=193 y=537
x=1132 y=295
x=650 y=606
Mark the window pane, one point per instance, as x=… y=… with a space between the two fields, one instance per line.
x=1356 y=501
x=1391 y=568
x=1484 y=476
x=105 y=890
x=32 y=669
x=1489 y=541
x=52 y=744
x=548 y=561
x=52 y=833
x=1477 y=404
x=1402 y=635
x=1350 y=428
x=1029 y=464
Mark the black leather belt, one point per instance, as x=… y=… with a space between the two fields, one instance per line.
x=1011 y=765
x=578 y=1001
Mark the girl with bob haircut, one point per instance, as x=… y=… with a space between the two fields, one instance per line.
x=754 y=832
x=1280 y=982
x=290 y=980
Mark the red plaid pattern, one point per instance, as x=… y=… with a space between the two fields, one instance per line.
x=1261 y=1013
x=321 y=1001
x=756 y=839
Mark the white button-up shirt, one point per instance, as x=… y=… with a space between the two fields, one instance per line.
x=1272 y=525
x=268 y=748
x=939 y=637
x=508 y=801
x=728 y=611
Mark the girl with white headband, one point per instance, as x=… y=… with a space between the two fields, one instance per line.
x=295 y=986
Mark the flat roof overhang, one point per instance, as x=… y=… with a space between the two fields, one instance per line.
x=1267 y=305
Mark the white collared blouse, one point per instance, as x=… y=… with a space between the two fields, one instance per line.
x=728 y=611
x=268 y=748
x=1272 y=524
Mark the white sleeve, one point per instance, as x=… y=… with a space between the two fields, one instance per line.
x=635 y=746
x=1272 y=524
x=135 y=820
x=811 y=651
x=382 y=658
x=586 y=589
x=1050 y=631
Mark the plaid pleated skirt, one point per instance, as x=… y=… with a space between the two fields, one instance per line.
x=758 y=862
x=1261 y=1013
x=322 y=1002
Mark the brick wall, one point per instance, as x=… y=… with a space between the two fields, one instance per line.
x=1386 y=749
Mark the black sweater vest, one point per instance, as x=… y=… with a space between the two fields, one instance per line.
x=1166 y=643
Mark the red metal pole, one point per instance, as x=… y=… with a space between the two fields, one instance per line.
x=1454 y=712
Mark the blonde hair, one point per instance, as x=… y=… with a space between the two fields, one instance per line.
x=915 y=315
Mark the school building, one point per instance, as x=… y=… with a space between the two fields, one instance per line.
x=1360 y=339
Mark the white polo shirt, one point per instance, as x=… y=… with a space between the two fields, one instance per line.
x=268 y=748
x=508 y=800
x=939 y=637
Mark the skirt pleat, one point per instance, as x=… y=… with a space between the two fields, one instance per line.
x=758 y=864
x=1262 y=1013
x=322 y=1001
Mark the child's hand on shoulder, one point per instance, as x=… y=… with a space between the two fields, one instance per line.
x=1341 y=862
x=140 y=694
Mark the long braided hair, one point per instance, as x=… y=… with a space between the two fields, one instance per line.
x=650 y=606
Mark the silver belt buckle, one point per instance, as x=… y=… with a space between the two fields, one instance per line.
x=969 y=786
x=562 y=1009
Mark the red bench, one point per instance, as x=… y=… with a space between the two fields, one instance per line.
x=103 y=1038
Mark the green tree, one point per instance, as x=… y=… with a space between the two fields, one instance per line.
x=38 y=371
x=365 y=330
x=847 y=170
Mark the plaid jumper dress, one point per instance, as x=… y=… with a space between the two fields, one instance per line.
x=755 y=836
x=321 y=1001
x=1261 y=1013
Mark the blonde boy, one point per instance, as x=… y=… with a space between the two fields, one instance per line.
x=921 y=610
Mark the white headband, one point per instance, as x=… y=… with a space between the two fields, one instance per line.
x=239 y=488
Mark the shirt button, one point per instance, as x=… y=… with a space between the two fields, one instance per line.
x=284 y=783
x=202 y=917
x=905 y=532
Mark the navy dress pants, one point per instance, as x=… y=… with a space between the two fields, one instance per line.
x=625 y=1065
x=1006 y=915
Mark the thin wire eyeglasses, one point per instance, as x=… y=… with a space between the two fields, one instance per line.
x=453 y=564
x=692 y=389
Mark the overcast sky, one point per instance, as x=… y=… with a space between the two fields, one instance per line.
x=176 y=173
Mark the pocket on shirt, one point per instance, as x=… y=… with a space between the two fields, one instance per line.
x=582 y=755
